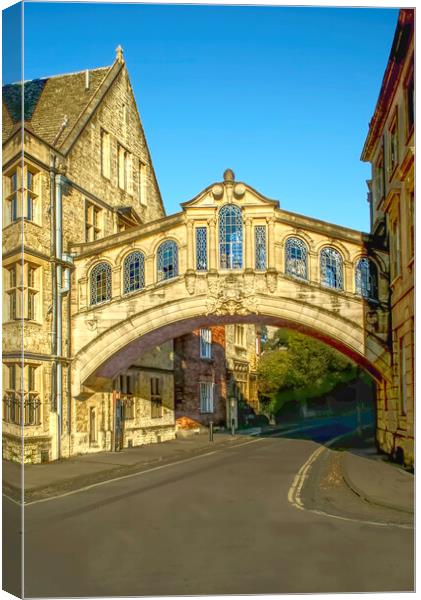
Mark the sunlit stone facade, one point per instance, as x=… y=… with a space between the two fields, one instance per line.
x=389 y=148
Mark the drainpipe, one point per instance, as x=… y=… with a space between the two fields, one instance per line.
x=59 y=317
x=53 y=281
x=66 y=290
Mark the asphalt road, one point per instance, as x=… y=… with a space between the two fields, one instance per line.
x=216 y=524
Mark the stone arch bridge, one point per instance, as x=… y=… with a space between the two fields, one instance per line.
x=231 y=255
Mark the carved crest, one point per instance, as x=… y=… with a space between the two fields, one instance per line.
x=231 y=296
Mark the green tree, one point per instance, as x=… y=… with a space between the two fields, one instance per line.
x=297 y=367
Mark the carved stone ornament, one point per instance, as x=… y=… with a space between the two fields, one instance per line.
x=217 y=191
x=230 y=296
x=272 y=281
x=372 y=320
x=239 y=190
x=91 y=324
x=190 y=281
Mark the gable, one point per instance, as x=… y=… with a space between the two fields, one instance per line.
x=49 y=102
x=228 y=191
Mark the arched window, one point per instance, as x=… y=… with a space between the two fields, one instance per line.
x=100 y=283
x=366 y=278
x=331 y=269
x=134 y=272
x=296 y=258
x=230 y=237
x=167 y=260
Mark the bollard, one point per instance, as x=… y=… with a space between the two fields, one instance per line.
x=211 y=431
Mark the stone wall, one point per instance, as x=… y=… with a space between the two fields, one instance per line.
x=118 y=115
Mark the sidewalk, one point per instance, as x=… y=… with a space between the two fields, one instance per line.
x=365 y=472
x=379 y=482
x=43 y=480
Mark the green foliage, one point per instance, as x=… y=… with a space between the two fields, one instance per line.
x=295 y=367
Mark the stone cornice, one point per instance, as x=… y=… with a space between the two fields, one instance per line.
x=319 y=226
x=402 y=42
x=125 y=237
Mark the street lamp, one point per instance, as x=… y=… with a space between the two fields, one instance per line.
x=232 y=412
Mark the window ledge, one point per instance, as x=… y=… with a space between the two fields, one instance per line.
x=169 y=280
x=17 y=221
x=393 y=172
x=409 y=135
x=32 y=222
x=395 y=280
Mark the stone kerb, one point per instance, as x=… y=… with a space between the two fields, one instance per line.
x=115 y=333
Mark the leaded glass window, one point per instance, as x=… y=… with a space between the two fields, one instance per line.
x=331 y=268
x=230 y=237
x=134 y=272
x=201 y=248
x=167 y=260
x=260 y=247
x=100 y=283
x=366 y=278
x=296 y=258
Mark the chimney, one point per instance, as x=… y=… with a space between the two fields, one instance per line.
x=87 y=79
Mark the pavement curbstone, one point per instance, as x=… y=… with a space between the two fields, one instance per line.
x=356 y=483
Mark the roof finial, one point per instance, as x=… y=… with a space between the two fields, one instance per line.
x=229 y=176
x=119 y=54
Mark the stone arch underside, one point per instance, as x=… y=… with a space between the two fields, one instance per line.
x=116 y=348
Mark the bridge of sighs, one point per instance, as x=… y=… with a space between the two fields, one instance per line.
x=230 y=255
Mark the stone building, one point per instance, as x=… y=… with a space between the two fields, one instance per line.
x=98 y=281
x=86 y=174
x=215 y=374
x=389 y=148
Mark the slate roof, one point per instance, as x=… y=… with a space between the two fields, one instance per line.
x=48 y=101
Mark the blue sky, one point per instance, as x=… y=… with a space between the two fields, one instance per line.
x=281 y=95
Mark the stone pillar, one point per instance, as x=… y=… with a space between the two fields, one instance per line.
x=190 y=246
x=212 y=244
x=271 y=243
x=149 y=269
x=116 y=282
x=249 y=244
x=313 y=267
x=83 y=287
x=348 y=283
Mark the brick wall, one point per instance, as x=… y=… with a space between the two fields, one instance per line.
x=190 y=370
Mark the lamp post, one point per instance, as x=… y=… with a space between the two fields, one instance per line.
x=232 y=414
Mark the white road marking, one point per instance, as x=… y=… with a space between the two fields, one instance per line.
x=12 y=499
x=294 y=493
x=137 y=474
x=100 y=483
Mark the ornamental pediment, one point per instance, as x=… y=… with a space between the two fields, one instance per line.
x=229 y=191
